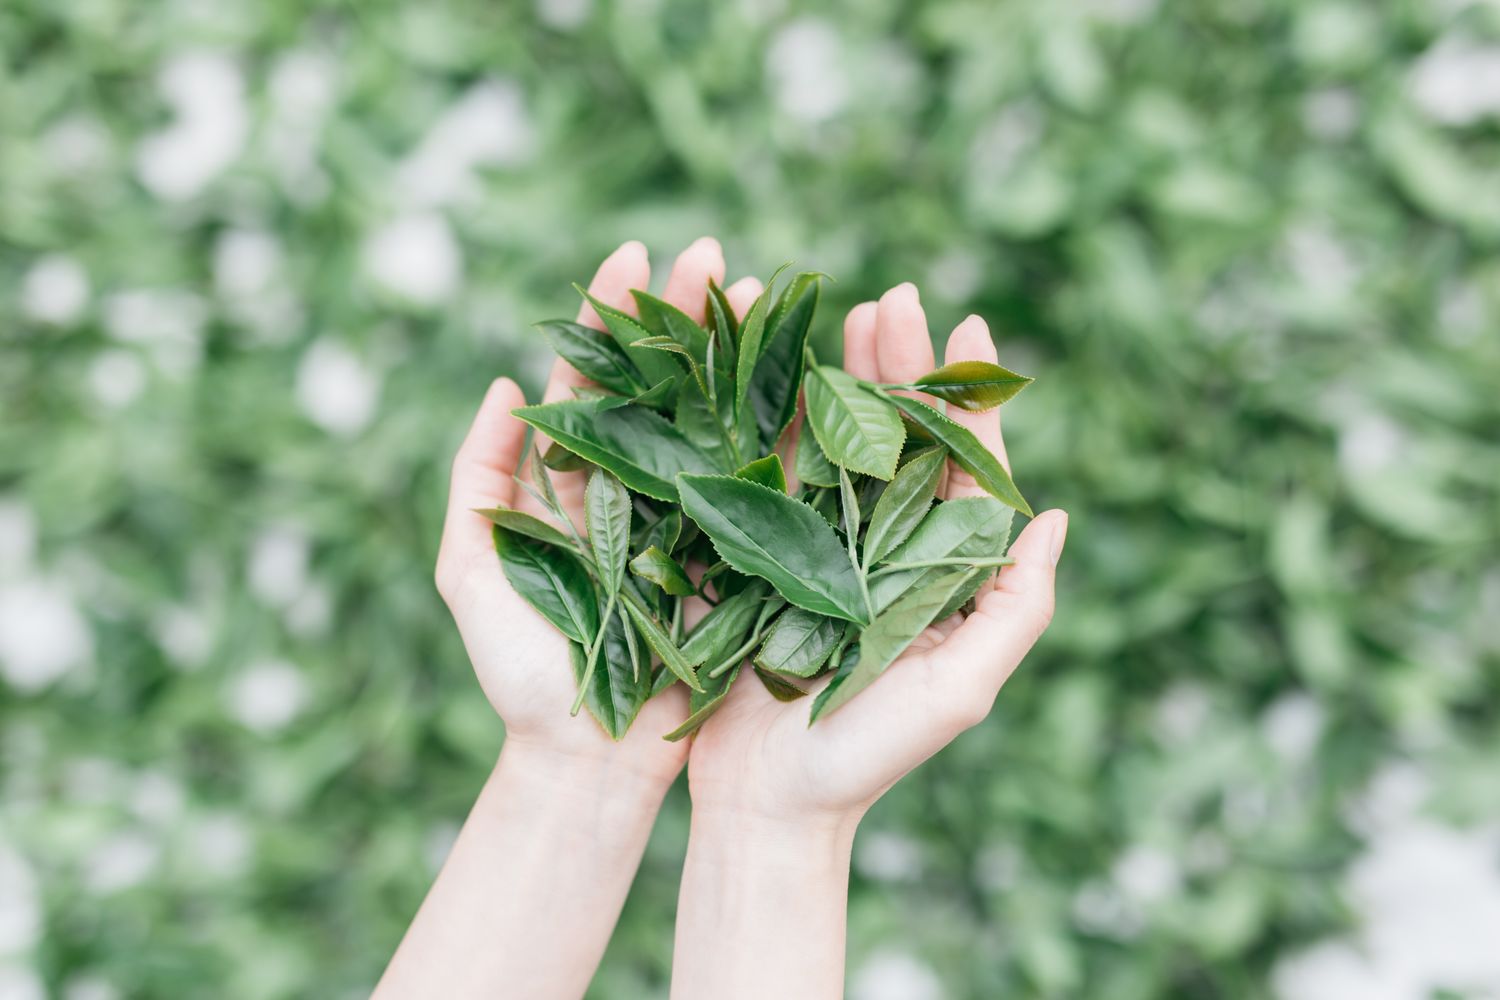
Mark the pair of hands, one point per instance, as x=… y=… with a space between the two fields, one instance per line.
x=530 y=894
x=757 y=757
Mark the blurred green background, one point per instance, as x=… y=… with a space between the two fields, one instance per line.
x=258 y=262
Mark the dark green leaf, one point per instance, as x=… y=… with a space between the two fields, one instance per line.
x=856 y=428
x=725 y=626
x=811 y=465
x=595 y=355
x=798 y=642
x=552 y=580
x=778 y=374
x=726 y=324
x=661 y=396
x=766 y=471
x=661 y=533
x=887 y=637
x=657 y=567
x=632 y=442
x=660 y=642
x=903 y=504
x=770 y=535
x=606 y=511
x=626 y=330
x=971 y=527
x=665 y=319
x=781 y=689
x=752 y=335
x=560 y=459
x=974 y=385
x=966 y=450
x=620 y=683
x=703 y=705
x=699 y=423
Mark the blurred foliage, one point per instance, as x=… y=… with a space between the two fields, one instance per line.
x=259 y=261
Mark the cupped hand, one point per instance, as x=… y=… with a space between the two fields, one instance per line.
x=522 y=661
x=759 y=759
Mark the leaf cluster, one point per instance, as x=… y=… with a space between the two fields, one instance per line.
x=833 y=569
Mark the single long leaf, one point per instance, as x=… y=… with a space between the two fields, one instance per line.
x=726 y=328
x=661 y=644
x=595 y=355
x=887 y=637
x=766 y=471
x=767 y=534
x=655 y=566
x=966 y=450
x=777 y=376
x=661 y=396
x=970 y=527
x=725 y=626
x=798 y=642
x=626 y=330
x=665 y=319
x=525 y=524
x=634 y=443
x=606 y=511
x=903 y=504
x=751 y=338
x=973 y=385
x=552 y=580
x=560 y=459
x=620 y=683
x=856 y=428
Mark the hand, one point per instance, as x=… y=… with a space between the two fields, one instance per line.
x=776 y=802
x=521 y=660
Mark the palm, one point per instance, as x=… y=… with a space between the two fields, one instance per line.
x=761 y=755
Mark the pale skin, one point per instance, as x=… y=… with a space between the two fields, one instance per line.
x=531 y=891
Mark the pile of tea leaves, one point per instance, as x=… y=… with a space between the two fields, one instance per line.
x=832 y=566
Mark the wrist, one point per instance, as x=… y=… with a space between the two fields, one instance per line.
x=810 y=844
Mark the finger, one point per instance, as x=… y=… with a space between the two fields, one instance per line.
x=971 y=341
x=903 y=347
x=742 y=295
x=628 y=267
x=687 y=285
x=859 y=342
x=483 y=472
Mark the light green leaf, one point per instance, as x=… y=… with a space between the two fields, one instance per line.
x=655 y=566
x=660 y=642
x=767 y=534
x=766 y=471
x=903 y=504
x=725 y=626
x=887 y=637
x=626 y=330
x=966 y=450
x=973 y=385
x=751 y=342
x=855 y=428
x=811 y=465
x=780 y=688
x=665 y=319
x=970 y=527
x=702 y=706
x=606 y=511
x=525 y=524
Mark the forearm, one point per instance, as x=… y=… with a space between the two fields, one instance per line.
x=763 y=909
x=531 y=891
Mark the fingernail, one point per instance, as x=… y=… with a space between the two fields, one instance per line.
x=1059 y=536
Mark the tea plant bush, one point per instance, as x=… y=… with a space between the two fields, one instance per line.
x=258 y=261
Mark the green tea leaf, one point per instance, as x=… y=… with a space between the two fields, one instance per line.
x=635 y=444
x=725 y=626
x=726 y=324
x=661 y=533
x=655 y=566
x=973 y=385
x=626 y=330
x=595 y=355
x=560 y=459
x=620 y=683
x=751 y=338
x=903 y=504
x=777 y=376
x=849 y=504
x=665 y=319
x=856 y=428
x=552 y=580
x=525 y=524
x=811 y=465
x=770 y=535
x=970 y=527
x=966 y=450
x=660 y=642
x=780 y=688
x=702 y=706
x=606 y=511
x=661 y=396
x=798 y=642
x=887 y=637
x=766 y=471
